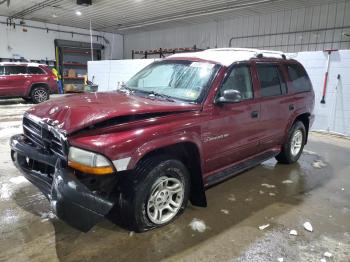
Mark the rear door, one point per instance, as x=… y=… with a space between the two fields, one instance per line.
x=232 y=133
x=276 y=105
x=16 y=78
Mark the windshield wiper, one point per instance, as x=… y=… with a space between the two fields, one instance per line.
x=125 y=88
x=152 y=93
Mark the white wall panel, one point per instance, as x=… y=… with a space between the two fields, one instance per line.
x=333 y=116
x=310 y=28
x=39 y=44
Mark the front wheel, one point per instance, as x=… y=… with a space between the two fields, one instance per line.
x=39 y=95
x=294 y=145
x=161 y=194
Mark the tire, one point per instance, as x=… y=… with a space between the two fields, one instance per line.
x=137 y=209
x=39 y=94
x=294 y=144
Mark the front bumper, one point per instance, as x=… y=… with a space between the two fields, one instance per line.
x=70 y=199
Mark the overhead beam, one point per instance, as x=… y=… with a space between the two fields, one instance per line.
x=34 y=8
x=191 y=14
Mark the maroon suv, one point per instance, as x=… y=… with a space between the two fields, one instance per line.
x=181 y=124
x=31 y=81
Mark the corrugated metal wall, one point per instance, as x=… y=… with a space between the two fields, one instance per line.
x=305 y=29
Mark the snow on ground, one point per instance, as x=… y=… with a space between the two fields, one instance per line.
x=11 y=118
x=307 y=225
x=268 y=185
x=262 y=227
x=225 y=211
x=293 y=232
x=198 y=225
x=18 y=180
x=318 y=164
x=12 y=112
x=10 y=124
x=232 y=198
x=8 y=132
x=5 y=191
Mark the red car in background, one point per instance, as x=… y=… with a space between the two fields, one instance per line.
x=31 y=81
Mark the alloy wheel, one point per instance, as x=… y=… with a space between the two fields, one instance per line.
x=296 y=142
x=165 y=200
x=40 y=95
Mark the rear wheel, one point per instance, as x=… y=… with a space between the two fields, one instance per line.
x=39 y=94
x=160 y=195
x=294 y=145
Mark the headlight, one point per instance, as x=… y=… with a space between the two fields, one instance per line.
x=88 y=162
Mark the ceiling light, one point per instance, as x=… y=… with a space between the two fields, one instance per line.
x=78 y=13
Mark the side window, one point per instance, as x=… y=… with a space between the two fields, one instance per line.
x=239 y=79
x=299 y=78
x=2 y=70
x=15 y=70
x=35 y=70
x=271 y=81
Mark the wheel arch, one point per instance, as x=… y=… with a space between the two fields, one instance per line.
x=188 y=153
x=38 y=84
x=305 y=119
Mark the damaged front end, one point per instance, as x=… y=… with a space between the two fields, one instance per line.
x=74 y=196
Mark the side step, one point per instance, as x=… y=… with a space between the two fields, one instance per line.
x=239 y=168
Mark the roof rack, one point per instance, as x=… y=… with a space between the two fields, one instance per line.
x=257 y=52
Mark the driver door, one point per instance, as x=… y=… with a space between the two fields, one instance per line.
x=232 y=134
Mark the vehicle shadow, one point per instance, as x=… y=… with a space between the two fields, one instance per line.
x=14 y=101
x=242 y=196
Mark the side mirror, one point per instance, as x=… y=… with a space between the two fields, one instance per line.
x=229 y=96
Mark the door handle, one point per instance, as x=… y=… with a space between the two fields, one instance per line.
x=254 y=114
x=291 y=107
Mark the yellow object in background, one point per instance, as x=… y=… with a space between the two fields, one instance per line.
x=55 y=72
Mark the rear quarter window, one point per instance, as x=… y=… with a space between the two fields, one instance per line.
x=2 y=70
x=299 y=78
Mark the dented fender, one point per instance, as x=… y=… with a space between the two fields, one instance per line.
x=165 y=141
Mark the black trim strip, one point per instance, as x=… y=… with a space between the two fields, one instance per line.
x=240 y=167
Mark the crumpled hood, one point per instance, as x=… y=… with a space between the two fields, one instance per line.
x=74 y=112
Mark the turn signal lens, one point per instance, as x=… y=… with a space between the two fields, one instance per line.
x=104 y=170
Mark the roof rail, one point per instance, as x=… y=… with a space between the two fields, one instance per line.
x=266 y=53
x=257 y=52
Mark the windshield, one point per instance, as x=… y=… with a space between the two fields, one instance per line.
x=184 y=80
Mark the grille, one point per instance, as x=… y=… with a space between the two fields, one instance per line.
x=40 y=135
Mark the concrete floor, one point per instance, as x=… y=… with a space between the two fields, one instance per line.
x=279 y=195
